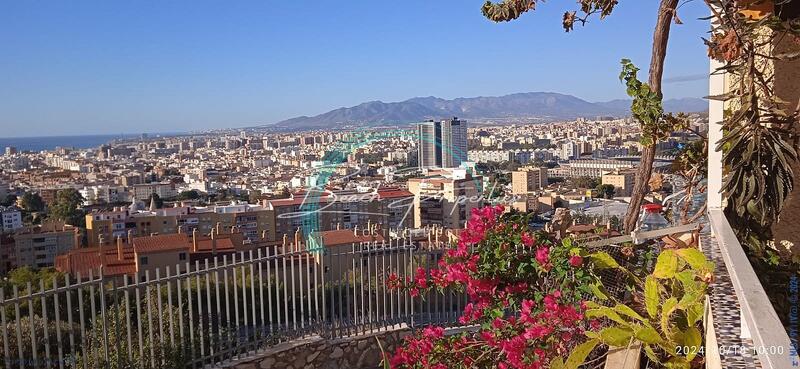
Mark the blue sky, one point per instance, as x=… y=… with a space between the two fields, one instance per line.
x=106 y=67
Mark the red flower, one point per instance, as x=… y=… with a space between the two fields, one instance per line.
x=575 y=260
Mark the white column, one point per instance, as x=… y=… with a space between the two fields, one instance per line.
x=715 y=116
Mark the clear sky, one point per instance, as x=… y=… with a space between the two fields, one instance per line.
x=107 y=67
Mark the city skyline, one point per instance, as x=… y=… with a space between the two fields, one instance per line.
x=102 y=68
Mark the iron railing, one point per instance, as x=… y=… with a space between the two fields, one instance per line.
x=205 y=313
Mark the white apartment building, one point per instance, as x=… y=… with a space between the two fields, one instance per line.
x=12 y=218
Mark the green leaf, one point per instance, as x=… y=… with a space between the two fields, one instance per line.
x=605 y=312
x=580 y=353
x=692 y=339
x=603 y=260
x=647 y=335
x=677 y=363
x=616 y=336
x=666 y=265
x=557 y=363
x=694 y=313
x=651 y=354
x=626 y=310
x=598 y=291
x=651 y=296
x=669 y=306
x=693 y=257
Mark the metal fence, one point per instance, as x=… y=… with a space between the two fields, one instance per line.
x=204 y=313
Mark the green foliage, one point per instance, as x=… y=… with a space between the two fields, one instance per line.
x=67 y=207
x=647 y=108
x=605 y=191
x=585 y=182
x=188 y=195
x=9 y=200
x=31 y=202
x=673 y=299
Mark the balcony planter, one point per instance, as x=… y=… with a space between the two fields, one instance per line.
x=624 y=357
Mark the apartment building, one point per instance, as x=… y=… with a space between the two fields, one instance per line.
x=445 y=199
x=330 y=210
x=622 y=180
x=38 y=246
x=252 y=221
x=11 y=218
x=528 y=179
x=163 y=190
x=142 y=256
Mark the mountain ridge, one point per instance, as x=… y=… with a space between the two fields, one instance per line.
x=543 y=105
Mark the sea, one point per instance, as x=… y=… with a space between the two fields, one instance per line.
x=36 y=144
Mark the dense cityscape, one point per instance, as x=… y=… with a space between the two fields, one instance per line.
x=242 y=183
x=405 y=185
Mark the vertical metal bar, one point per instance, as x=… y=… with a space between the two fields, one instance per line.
x=319 y=283
x=92 y=311
x=160 y=315
x=190 y=316
x=235 y=305
x=199 y=311
x=369 y=289
x=57 y=311
x=269 y=287
x=84 y=341
x=184 y=345
x=411 y=271
x=32 y=326
x=139 y=318
x=117 y=327
x=127 y=298
x=298 y=258
x=228 y=343
x=294 y=299
x=244 y=299
x=383 y=282
x=21 y=357
x=170 y=309
x=6 y=354
x=285 y=290
x=209 y=323
x=347 y=320
x=149 y=318
x=261 y=295
x=219 y=309
x=361 y=308
x=103 y=315
x=47 y=357
x=69 y=316
x=253 y=299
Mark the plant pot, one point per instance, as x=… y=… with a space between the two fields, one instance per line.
x=624 y=357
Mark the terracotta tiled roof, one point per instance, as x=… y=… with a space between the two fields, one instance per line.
x=390 y=193
x=346 y=236
x=160 y=243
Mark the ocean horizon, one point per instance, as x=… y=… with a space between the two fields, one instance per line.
x=41 y=143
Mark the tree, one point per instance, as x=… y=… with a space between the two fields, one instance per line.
x=605 y=191
x=67 y=207
x=585 y=182
x=9 y=200
x=31 y=202
x=645 y=97
x=188 y=195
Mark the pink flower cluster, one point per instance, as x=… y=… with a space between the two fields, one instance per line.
x=524 y=323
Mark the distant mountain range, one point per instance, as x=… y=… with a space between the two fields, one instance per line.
x=544 y=105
